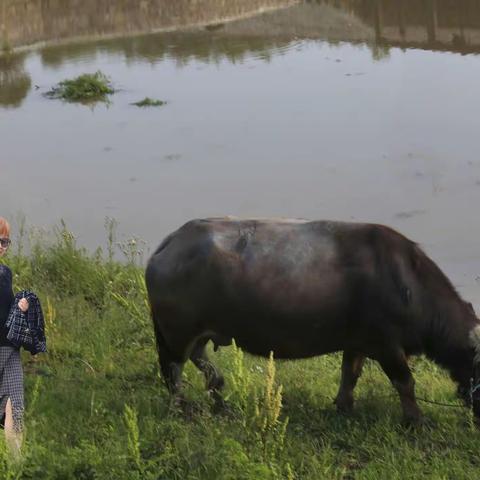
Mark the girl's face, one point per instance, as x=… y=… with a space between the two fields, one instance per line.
x=4 y=244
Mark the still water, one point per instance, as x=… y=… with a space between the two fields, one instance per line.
x=354 y=110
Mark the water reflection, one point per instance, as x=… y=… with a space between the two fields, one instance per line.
x=31 y=21
x=452 y=25
x=14 y=81
x=183 y=47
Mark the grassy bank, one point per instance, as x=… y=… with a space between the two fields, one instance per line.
x=97 y=409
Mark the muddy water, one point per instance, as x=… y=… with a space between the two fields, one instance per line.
x=347 y=110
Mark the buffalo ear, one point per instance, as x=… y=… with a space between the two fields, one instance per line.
x=471 y=307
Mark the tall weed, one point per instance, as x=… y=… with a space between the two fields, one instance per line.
x=260 y=412
x=133 y=436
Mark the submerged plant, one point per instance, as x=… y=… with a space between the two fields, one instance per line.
x=89 y=87
x=149 y=102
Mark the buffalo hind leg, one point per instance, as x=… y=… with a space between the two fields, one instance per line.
x=171 y=357
x=352 y=364
x=396 y=367
x=213 y=378
x=171 y=369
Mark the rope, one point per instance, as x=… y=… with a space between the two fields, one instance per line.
x=420 y=399
x=441 y=404
x=473 y=389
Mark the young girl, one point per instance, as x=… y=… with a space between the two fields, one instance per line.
x=11 y=373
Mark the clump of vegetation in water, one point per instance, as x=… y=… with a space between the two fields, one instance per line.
x=89 y=87
x=149 y=102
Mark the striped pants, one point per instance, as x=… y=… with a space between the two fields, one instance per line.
x=11 y=384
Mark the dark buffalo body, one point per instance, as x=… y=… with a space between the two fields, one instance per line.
x=304 y=288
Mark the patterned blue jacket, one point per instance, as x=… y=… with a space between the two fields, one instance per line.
x=27 y=329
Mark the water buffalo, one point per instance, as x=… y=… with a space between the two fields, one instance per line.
x=303 y=288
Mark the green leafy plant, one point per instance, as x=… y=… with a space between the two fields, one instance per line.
x=89 y=87
x=149 y=102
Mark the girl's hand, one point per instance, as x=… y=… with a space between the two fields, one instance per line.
x=23 y=304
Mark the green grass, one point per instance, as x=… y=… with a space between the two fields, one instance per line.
x=89 y=87
x=149 y=102
x=97 y=408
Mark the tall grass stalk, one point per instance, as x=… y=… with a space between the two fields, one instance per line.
x=111 y=228
x=133 y=435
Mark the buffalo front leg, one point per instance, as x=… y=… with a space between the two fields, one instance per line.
x=396 y=367
x=352 y=364
x=213 y=378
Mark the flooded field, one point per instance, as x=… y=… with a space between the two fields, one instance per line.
x=353 y=110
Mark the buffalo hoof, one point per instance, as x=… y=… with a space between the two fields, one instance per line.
x=192 y=410
x=418 y=421
x=182 y=407
x=220 y=406
x=219 y=403
x=178 y=403
x=344 y=404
